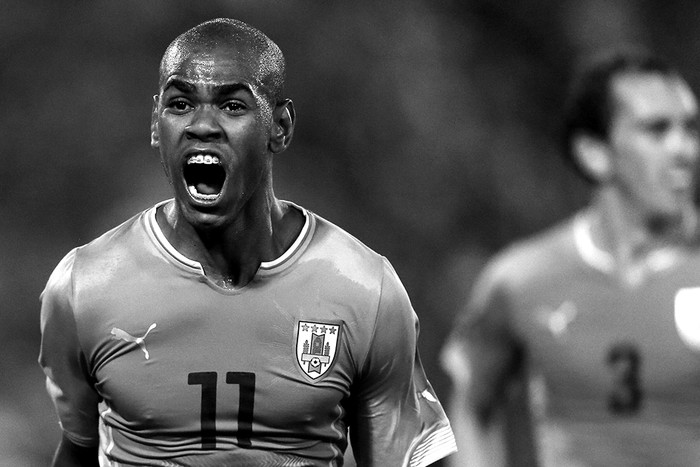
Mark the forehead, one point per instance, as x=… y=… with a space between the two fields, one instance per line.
x=214 y=66
x=652 y=95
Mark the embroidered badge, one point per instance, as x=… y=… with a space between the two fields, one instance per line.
x=317 y=347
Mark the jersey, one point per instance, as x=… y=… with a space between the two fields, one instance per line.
x=146 y=355
x=613 y=368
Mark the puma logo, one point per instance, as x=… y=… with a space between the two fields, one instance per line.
x=125 y=336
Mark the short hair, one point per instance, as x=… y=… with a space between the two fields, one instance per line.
x=589 y=105
x=232 y=33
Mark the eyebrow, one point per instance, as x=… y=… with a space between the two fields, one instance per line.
x=179 y=84
x=232 y=88
x=220 y=89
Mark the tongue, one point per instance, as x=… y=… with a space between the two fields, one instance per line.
x=205 y=189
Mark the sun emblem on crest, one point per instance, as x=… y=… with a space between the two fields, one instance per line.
x=316 y=347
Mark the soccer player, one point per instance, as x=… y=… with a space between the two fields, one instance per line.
x=579 y=346
x=226 y=327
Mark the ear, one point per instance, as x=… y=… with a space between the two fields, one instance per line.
x=155 y=132
x=282 y=129
x=594 y=156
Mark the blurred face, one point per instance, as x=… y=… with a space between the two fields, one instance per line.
x=654 y=142
x=211 y=123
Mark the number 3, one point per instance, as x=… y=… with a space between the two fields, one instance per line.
x=246 y=403
x=625 y=361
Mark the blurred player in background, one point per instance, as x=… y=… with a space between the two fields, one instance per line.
x=226 y=327
x=581 y=346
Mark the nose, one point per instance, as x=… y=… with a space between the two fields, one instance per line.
x=204 y=125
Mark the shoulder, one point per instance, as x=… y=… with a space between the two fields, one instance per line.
x=511 y=276
x=364 y=281
x=59 y=287
x=95 y=262
x=361 y=264
x=345 y=252
x=107 y=247
x=530 y=259
x=117 y=237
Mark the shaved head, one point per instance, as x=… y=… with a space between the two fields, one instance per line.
x=245 y=41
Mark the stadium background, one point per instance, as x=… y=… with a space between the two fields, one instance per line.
x=428 y=129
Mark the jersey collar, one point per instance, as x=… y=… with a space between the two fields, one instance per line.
x=595 y=257
x=266 y=267
x=604 y=261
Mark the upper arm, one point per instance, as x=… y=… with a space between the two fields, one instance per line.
x=483 y=355
x=398 y=418
x=517 y=425
x=67 y=377
x=486 y=362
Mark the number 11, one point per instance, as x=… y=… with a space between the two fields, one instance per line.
x=246 y=403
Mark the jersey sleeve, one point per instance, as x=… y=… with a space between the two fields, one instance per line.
x=398 y=419
x=483 y=354
x=63 y=362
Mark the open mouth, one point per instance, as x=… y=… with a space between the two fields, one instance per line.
x=204 y=177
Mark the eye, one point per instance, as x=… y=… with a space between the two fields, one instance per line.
x=658 y=128
x=234 y=107
x=179 y=106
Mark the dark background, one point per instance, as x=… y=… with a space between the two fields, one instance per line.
x=428 y=129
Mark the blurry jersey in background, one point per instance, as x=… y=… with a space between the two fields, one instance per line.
x=614 y=368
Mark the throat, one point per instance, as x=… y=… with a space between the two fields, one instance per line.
x=230 y=275
x=231 y=256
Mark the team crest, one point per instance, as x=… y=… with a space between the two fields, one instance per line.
x=687 y=316
x=317 y=346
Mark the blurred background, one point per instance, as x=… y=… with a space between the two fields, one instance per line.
x=429 y=129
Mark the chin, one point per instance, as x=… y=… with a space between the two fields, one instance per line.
x=204 y=217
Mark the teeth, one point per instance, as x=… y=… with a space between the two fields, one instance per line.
x=193 y=191
x=203 y=159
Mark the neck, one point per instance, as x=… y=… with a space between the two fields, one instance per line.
x=630 y=235
x=231 y=254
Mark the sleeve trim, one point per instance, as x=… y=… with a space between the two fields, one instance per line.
x=437 y=445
